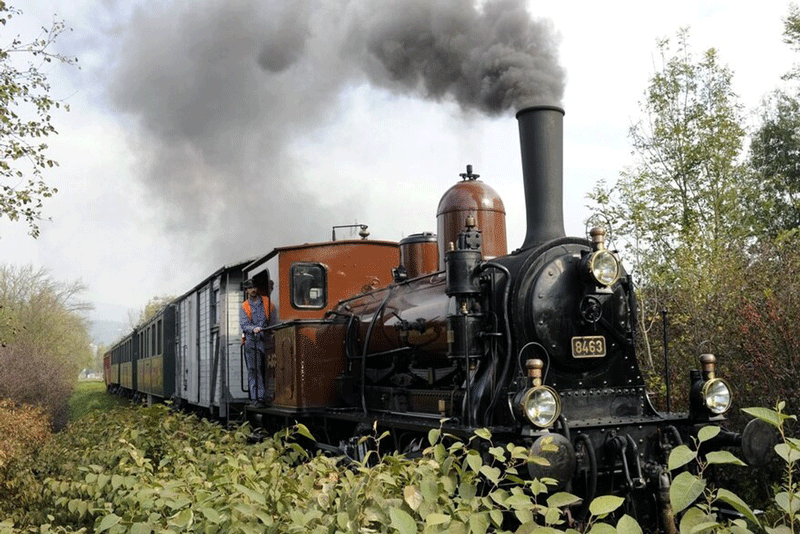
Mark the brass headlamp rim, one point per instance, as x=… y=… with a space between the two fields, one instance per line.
x=529 y=393
x=591 y=262
x=707 y=386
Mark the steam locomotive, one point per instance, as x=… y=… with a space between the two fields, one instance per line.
x=536 y=345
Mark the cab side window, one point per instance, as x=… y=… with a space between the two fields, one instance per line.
x=309 y=286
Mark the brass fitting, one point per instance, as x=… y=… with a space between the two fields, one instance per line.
x=598 y=235
x=535 y=367
x=709 y=365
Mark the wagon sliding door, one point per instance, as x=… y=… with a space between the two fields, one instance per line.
x=186 y=351
x=231 y=342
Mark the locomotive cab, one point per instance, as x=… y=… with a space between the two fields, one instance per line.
x=310 y=279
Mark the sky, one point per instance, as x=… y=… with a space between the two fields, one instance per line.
x=204 y=132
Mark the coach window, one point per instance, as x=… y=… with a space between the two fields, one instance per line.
x=159 y=335
x=213 y=310
x=309 y=286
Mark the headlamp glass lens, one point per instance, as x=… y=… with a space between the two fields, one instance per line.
x=717 y=396
x=542 y=406
x=605 y=267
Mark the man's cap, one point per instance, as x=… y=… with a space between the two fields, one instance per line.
x=248 y=284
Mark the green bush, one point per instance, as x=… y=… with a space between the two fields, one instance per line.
x=151 y=470
x=146 y=470
x=44 y=340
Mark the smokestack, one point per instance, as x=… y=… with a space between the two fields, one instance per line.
x=541 y=136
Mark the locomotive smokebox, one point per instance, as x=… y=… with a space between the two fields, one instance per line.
x=541 y=135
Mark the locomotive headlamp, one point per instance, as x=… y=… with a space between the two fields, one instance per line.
x=710 y=396
x=541 y=405
x=717 y=395
x=604 y=267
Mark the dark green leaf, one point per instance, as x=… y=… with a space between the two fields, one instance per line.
x=691 y=518
x=723 y=457
x=483 y=433
x=562 y=500
x=303 y=431
x=707 y=432
x=108 y=522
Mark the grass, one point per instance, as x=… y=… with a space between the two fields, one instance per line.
x=90 y=395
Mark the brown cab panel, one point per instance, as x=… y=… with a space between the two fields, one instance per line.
x=309 y=355
x=351 y=267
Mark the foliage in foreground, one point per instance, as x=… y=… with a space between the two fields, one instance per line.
x=698 y=501
x=147 y=470
x=23 y=429
x=150 y=470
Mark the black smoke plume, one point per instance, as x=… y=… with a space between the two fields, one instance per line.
x=490 y=58
x=220 y=91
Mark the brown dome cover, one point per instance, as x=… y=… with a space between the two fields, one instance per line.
x=419 y=255
x=472 y=197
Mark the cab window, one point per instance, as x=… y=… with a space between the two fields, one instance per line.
x=309 y=286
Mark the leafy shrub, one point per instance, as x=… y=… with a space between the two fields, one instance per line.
x=23 y=428
x=150 y=470
x=146 y=470
x=44 y=341
x=698 y=502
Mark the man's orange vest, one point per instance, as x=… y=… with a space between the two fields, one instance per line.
x=249 y=311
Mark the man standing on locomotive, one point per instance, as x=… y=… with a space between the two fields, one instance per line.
x=256 y=314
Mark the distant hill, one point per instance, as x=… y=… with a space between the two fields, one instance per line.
x=108 y=322
x=107 y=332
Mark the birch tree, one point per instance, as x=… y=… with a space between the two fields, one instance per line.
x=26 y=108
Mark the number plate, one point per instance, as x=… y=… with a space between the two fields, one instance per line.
x=588 y=347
